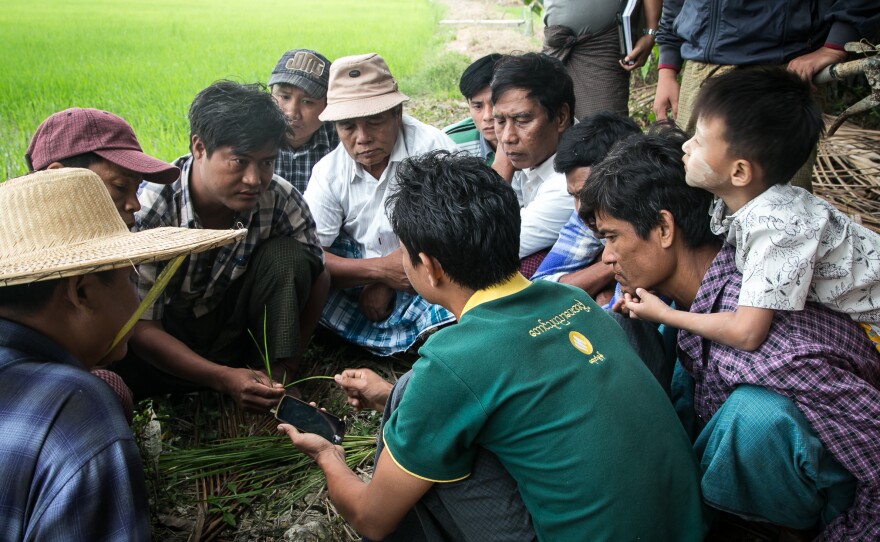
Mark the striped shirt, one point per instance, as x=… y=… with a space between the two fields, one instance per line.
x=468 y=139
x=833 y=382
x=205 y=277
x=576 y=249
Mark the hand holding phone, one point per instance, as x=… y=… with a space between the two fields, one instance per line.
x=309 y=419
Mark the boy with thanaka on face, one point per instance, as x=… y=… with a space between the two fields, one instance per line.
x=755 y=127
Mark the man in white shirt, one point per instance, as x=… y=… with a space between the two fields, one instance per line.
x=533 y=101
x=371 y=302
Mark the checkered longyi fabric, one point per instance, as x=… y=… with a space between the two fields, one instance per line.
x=819 y=359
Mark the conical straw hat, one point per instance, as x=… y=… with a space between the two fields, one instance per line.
x=62 y=222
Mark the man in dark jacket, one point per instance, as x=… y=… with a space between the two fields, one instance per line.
x=714 y=37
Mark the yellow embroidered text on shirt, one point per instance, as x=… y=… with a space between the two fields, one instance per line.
x=560 y=320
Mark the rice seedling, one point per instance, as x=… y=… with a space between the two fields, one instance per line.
x=145 y=60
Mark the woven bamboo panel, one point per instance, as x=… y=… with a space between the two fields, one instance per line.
x=847 y=173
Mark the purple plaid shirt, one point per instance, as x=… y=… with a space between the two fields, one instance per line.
x=819 y=359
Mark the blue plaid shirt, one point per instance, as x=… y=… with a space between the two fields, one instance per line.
x=576 y=248
x=819 y=359
x=295 y=165
x=409 y=319
x=69 y=467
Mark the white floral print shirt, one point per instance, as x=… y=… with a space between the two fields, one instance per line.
x=793 y=247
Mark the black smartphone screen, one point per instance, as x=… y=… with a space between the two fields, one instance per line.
x=309 y=419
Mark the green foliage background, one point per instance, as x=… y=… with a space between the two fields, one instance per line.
x=145 y=59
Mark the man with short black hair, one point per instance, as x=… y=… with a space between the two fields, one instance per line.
x=572 y=260
x=535 y=374
x=476 y=135
x=533 y=101
x=272 y=282
x=371 y=304
x=786 y=434
x=299 y=86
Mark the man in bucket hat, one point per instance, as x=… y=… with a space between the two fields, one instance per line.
x=272 y=283
x=299 y=86
x=104 y=143
x=69 y=466
x=371 y=303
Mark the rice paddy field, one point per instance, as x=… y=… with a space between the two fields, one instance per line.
x=146 y=59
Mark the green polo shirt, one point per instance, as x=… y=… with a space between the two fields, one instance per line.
x=539 y=375
x=468 y=139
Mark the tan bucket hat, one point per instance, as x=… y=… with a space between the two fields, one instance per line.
x=360 y=86
x=62 y=223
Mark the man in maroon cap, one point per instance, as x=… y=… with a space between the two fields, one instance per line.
x=104 y=143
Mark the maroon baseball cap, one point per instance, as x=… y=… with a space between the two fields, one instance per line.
x=79 y=130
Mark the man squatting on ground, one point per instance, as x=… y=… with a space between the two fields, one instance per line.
x=105 y=144
x=299 y=85
x=535 y=373
x=196 y=334
x=533 y=102
x=69 y=467
x=576 y=256
x=786 y=434
x=371 y=304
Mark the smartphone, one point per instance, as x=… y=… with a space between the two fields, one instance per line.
x=309 y=419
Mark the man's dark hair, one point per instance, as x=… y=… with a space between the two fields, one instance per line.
x=455 y=208
x=586 y=143
x=243 y=116
x=770 y=118
x=478 y=75
x=83 y=160
x=541 y=76
x=641 y=176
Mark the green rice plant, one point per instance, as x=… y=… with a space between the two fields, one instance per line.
x=264 y=351
x=146 y=59
x=266 y=465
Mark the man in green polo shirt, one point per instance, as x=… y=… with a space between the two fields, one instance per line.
x=535 y=374
x=475 y=135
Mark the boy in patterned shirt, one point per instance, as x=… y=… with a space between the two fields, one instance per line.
x=755 y=126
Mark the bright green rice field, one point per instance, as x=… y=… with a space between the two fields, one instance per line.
x=146 y=59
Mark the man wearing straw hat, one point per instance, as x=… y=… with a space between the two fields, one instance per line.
x=69 y=467
x=105 y=144
x=372 y=303
x=256 y=302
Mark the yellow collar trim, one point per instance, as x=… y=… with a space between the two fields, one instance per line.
x=513 y=285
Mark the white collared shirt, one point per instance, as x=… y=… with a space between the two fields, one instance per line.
x=343 y=197
x=546 y=206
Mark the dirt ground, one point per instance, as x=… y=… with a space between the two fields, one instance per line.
x=476 y=40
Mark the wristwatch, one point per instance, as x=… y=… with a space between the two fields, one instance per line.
x=649 y=31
